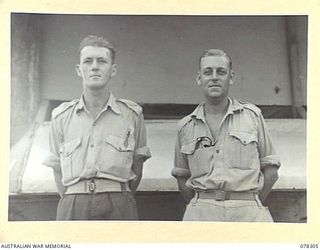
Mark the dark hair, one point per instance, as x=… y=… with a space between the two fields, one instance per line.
x=215 y=52
x=96 y=41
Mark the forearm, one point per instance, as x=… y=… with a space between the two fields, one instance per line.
x=270 y=174
x=135 y=183
x=186 y=192
x=137 y=169
x=58 y=180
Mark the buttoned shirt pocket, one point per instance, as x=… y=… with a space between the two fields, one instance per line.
x=117 y=155
x=199 y=159
x=243 y=149
x=71 y=158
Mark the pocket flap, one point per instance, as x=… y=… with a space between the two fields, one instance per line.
x=244 y=137
x=69 y=147
x=120 y=143
x=188 y=148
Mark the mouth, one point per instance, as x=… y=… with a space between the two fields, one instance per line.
x=214 y=86
x=94 y=76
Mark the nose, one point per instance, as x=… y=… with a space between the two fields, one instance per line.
x=214 y=75
x=94 y=65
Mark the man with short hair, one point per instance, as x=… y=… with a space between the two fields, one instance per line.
x=98 y=143
x=225 y=162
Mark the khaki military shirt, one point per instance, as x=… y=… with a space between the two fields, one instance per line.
x=104 y=147
x=235 y=158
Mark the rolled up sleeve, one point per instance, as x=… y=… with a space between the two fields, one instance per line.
x=181 y=167
x=267 y=152
x=142 y=151
x=273 y=160
x=53 y=159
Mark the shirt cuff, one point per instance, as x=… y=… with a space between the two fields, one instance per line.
x=142 y=154
x=52 y=161
x=180 y=172
x=270 y=160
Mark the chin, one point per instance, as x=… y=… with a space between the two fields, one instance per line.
x=214 y=95
x=96 y=85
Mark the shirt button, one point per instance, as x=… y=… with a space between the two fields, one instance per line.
x=91 y=145
x=217 y=151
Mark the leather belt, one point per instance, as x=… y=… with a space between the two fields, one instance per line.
x=220 y=195
x=94 y=185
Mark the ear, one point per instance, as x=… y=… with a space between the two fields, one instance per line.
x=231 y=77
x=114 y=70
x=78 y=70
x=198 y=79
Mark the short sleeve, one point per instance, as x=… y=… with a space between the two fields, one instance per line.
x=55 y=138
x=181 y=167
x=267 y=152
x=142 y=152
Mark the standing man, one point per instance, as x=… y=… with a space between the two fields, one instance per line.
x=225 y=162
x=98 y=143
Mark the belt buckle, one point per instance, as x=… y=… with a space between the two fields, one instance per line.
x=92 y=186
x=221 y=195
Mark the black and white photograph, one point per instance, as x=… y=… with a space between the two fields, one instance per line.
x=188 y=123
x=158 y=118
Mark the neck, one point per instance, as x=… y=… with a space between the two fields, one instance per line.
x=96 y=99
x=216 y=107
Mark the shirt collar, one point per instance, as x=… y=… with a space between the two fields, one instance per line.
x=111 y=103
x=80 y=105
x=198 y=113
x=234 y=106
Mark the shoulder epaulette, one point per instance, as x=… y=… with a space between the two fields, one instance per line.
x=63 y=107
x=184 y=121
x=252 y=107
x=132 y=105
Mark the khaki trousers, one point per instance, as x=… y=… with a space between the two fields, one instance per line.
x=227 y=211
x=99 y=206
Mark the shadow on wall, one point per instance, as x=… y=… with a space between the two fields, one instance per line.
x=25 y=86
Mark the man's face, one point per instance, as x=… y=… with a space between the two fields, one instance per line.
x=96 y=67
x=215 y=76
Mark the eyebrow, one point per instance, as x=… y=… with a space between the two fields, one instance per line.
x=210 y=68
x=99 y=58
